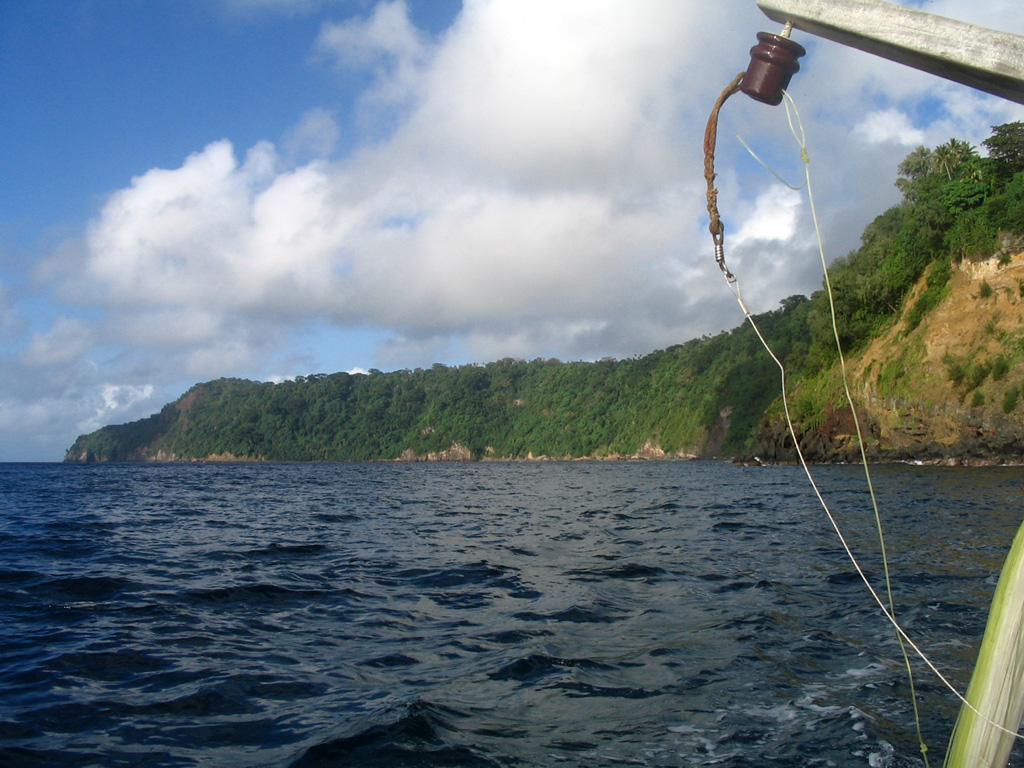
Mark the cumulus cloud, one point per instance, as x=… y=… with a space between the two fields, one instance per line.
x=774 y=216
x=387 y=36
x=118 y=397
x=173 y=235
x=387 y=44
x=888 y=125
x=547 y=94
x=540 y=180
x=541 y=188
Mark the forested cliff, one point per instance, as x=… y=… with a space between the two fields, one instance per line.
x=930 y=310
x=702 y=396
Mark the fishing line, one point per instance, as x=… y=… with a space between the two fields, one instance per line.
x=717 y=229
x=801 y=139
x=765 y=165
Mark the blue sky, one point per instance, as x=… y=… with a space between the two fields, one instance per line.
x=268 y=188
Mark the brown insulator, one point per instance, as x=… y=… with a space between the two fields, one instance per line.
x=773 y=61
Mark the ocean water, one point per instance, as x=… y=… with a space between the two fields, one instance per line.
x=519 y=614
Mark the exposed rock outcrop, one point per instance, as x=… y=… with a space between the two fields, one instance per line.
x=949 y=390
x=456 y=452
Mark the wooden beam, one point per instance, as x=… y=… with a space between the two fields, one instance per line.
x=985 y=59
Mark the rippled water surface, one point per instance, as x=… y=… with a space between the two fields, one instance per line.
x=567 y=614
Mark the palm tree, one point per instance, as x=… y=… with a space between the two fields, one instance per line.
x=951 y=154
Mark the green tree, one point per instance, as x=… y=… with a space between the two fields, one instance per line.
x=913 y=171
x=1006 y=148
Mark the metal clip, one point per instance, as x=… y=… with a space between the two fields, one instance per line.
x=720 y=259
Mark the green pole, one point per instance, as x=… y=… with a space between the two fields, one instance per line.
x=996 y=692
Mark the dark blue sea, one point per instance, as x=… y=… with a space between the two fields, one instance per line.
x=496 y=614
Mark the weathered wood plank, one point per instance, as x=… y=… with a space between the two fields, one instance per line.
x=986 y=59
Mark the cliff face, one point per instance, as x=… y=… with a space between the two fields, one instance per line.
x=948 y=390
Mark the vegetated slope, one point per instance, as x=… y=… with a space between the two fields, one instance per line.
x=946 y=388
x=929 y=385
x=705 y=396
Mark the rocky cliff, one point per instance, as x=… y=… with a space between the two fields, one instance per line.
x=943 y=388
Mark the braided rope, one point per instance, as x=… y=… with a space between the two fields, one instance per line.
x=716 y=227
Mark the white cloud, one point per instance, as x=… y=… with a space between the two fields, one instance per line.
x=117 y=397
x=67 y=340
x=774 y=216
x=215 y=236
x=542 y=186
x=38 y=429
x=154 y=240
x=386 y=43
x=888 y=125
x=387 y=35
x=544 y=94
x=314 y=136
x=536 y=180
